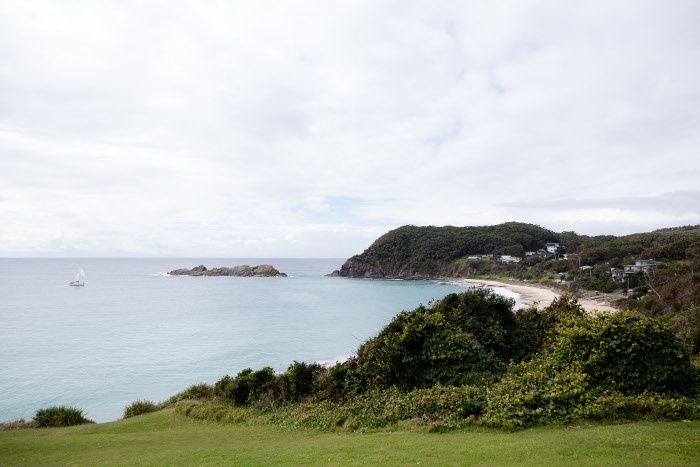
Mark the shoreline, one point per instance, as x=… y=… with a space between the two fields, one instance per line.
x=540 y=295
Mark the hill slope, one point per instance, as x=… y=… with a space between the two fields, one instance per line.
x=422 y=252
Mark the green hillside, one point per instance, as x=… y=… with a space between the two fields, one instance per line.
x=415 y=252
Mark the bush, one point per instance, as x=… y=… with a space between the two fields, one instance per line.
x=443 y=407
x=59 y=416
x=140 y=407
x=462 y=339
x=238 y=389
x=249 y=386
x=686 y=324
x=194 y=392
x=626 y=352
x=535 y=393
x=301 y=380
x=542 y=324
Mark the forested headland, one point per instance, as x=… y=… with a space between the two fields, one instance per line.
x=668 y=283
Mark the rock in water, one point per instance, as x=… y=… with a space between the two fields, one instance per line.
x=264 y=270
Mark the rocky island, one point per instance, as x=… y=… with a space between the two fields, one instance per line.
x=264 y=270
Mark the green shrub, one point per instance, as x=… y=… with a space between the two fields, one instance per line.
x=59 y=416
x=541 y=324
x=686 y=324
x=140 y=407
x=488 y=317
x=535 y=393
x=617 y=366
x=626 y=352
x=439 y=406
x=194 y=392
x=302 y=380
x=462 y=339
x=238 y=389
x=249 y=386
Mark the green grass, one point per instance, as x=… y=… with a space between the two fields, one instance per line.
x=167 y=438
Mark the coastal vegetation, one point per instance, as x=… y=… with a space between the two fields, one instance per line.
x=469 y=361
x=59 y=416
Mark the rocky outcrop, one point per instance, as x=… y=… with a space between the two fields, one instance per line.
x=264 y=270
x=357 y=269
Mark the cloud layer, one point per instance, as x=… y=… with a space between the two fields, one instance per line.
x=310 y=128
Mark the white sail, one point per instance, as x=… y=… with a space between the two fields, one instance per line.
x=78 y=279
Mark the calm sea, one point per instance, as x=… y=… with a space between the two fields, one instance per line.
x=133 y=332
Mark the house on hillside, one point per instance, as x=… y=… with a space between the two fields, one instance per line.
x=508 y=259
x=640 y=265
x=618 y=274
x=552 y=247
x=473 y=259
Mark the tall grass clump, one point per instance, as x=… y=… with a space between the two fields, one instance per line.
x=59 y=416
x=140 y=407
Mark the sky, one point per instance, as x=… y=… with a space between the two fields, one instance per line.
x=310 y=128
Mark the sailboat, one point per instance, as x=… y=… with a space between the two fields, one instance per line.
x=78 y=279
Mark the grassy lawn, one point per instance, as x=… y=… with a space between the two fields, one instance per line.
x=167 y=438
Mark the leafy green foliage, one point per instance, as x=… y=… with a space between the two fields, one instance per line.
x=542 y=324
x=621 y=365
x=463 y=338
x=140 y=407
x=59 y=416
x=249 y=386
x=469 y=359
x=626 y=352
x=686 y=324
x=537 y=392
x=301 y=381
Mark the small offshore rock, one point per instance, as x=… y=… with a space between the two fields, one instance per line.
x=263 y=270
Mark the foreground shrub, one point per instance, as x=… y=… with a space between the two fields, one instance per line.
x=621 y=365
x=542 y=324
x=443 y=407
x=626 y=352
x=140 y=407
x=686 y=324
x=535 y=393
x=302 y=381
x=249 y=386
x=59 y=416
x=463 y=339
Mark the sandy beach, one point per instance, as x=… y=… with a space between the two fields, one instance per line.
x=542 y=296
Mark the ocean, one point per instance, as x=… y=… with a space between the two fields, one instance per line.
x=135 y=333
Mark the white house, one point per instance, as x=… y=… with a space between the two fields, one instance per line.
x=640 y=265
x=552 y=247
x=508 y=259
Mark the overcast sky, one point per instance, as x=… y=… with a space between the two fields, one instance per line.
x=310 y=128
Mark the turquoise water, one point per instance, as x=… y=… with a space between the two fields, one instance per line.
x=133 y=332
